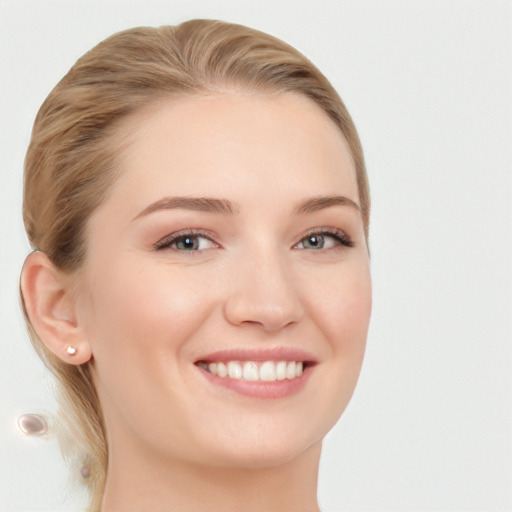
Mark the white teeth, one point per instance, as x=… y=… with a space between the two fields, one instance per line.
x=234 y=370
x=290 y=370
x=281 y=370
x=251 y=371
x=268 y=371
x=222 y=370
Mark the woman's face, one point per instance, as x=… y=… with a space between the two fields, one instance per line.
x=231 y=242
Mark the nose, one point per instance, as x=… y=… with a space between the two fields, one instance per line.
x=263 y=293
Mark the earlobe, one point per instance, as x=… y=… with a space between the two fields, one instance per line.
x=51 y=307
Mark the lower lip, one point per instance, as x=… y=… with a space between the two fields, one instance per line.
x=261 y=389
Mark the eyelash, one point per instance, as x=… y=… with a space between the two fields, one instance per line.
x=169 y=240
x=340 y=237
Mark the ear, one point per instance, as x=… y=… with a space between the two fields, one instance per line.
x=51 y=308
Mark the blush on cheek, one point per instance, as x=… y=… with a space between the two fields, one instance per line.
x=353 y=310
x=358 y=298
x=153 y=309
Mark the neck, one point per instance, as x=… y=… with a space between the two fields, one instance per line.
x=137 y=485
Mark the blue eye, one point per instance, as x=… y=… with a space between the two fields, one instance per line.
x=324 y=239
x=313 y=242
x=185 y=242
x=188 y=243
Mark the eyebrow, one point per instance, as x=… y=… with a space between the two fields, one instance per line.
x=198 y=204
x=226 y=207
x=315 y=204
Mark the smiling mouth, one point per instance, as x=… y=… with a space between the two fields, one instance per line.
x=254 y=371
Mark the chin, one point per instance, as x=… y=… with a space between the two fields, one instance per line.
x=262 y=444
x=264 y=456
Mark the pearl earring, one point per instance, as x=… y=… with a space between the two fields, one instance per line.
x=71 y=350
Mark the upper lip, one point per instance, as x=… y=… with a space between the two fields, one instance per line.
x=259 y=355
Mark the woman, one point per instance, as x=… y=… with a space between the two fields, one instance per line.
x=198 y=203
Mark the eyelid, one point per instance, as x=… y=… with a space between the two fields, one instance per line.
x=342 y=238
x=166 y=241
x=340 y=235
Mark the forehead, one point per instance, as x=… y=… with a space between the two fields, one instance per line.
x=238 y=144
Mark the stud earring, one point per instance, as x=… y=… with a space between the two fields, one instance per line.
x=71 y=350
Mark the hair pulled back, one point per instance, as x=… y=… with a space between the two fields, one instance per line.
x=71 y=160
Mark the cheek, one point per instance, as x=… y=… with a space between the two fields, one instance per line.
x=144 y=310
x=339 y=304
x=344 y=316
x=140 y=323
x=343 y=310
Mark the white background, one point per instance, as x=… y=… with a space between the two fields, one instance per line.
x=429 y=84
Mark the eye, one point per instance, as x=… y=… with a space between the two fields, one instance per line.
x=188 y=241
x=324 y=239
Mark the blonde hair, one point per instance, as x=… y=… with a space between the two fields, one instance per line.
x=71 y=160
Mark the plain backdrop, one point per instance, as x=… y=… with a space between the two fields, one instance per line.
x=429 y=85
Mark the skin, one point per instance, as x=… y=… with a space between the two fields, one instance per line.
x=144 y=315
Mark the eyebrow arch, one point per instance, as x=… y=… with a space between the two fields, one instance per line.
x=315 y=204
x=198 y=204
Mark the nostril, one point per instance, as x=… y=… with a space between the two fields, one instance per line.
x=261 y=313
x=263 y=295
